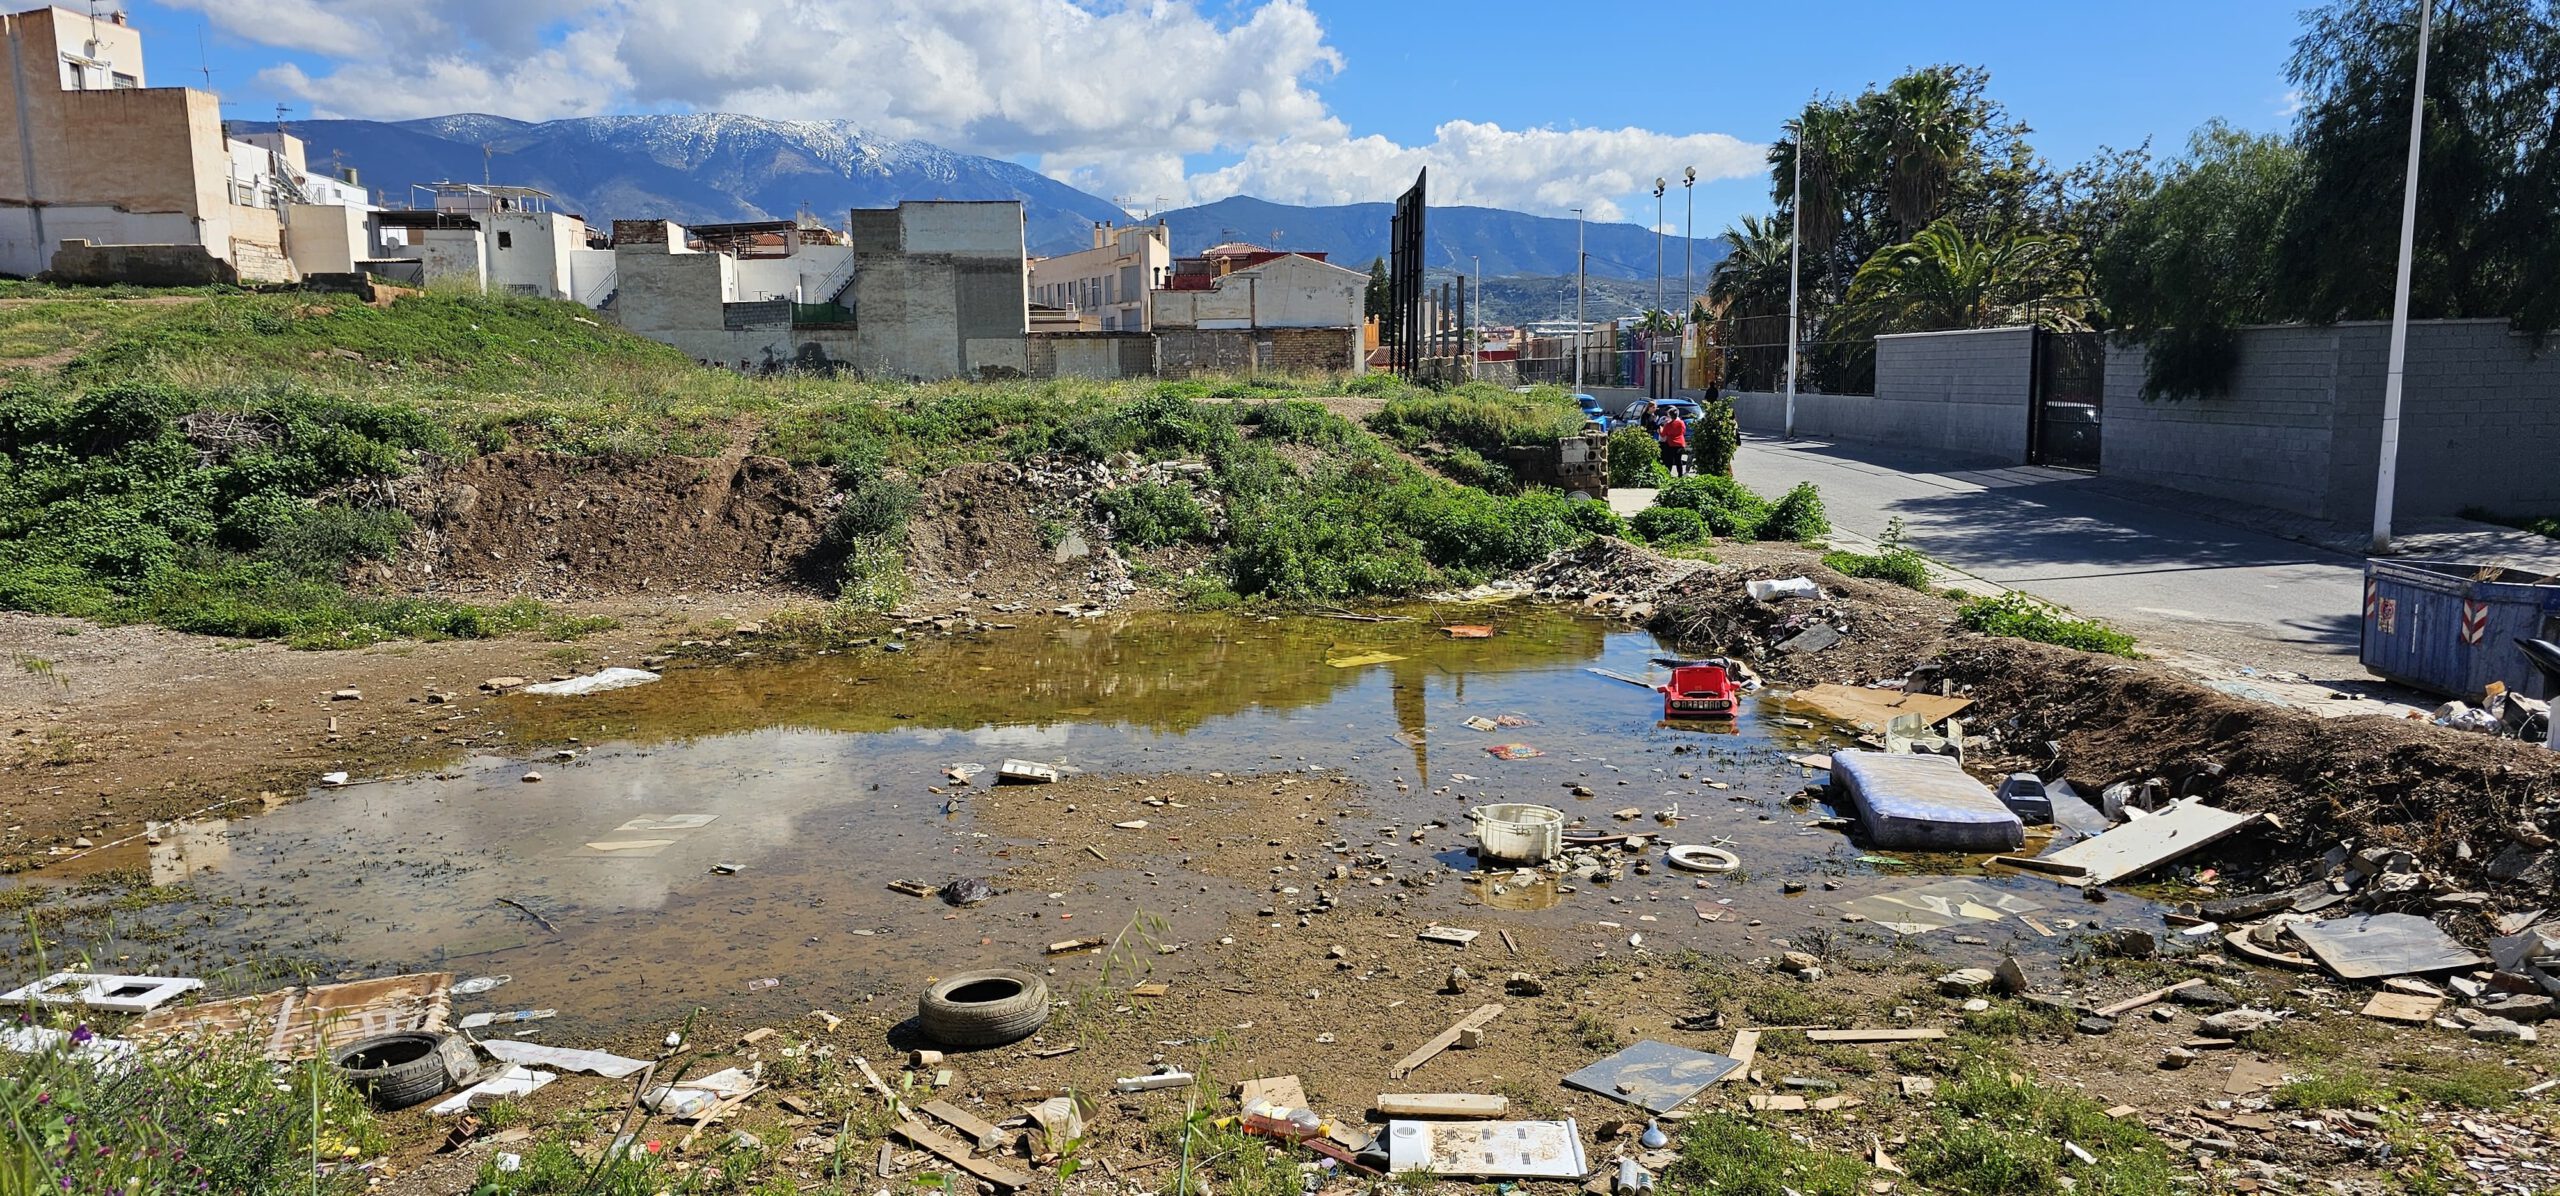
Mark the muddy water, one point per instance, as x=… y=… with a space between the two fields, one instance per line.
x=732 y=826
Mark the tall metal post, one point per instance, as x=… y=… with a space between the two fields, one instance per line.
x=1581 y=327
x=1795 y=254
x=1475 y=345
x=2387 y=480
x=1688 y=263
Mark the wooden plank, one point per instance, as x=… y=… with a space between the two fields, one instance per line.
x=957 y=1154
x=2036 y=926
x=2140 y=846
x=1746 y=1047
x=979 y=1129
x=1777 y=1104
x=880 y=1086
x=2155 y=996
x=1424 y=1053
x=1442 y=1104
x=1507 y=942
x=1872 y=709
x=1452 y=935
x=1914 y=1035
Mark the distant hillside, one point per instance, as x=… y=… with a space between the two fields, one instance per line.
x=695 y=168
x=1508 y=243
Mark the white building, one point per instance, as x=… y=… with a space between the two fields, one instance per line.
x=1281 y=290
x=1111 y=281
x=757 y=296
x=492 y=239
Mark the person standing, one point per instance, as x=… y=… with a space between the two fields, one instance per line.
x=1675 y=443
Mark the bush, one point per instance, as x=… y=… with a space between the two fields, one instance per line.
x=1635 y=459
x=1901 y=566
x=2018 y=616
x=1670 y=525
x=1797 y=516
x=1729 y=509
x=1301 y=421
x=1714 y=437
x=1152 y=515
x=319 y=542
x=1481 y=417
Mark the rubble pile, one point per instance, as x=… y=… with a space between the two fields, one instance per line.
x=1616 y=578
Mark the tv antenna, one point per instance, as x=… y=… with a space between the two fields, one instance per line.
x=204 y=59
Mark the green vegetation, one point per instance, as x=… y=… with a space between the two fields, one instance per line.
x=1667 y=526
x=216 y=1117
x=218 y=464
x=1892 y=561
x=1714 y=438
x=1730 y=510
x=1734 y=1156
x=2018 y=616
x=1635 y=459
x=1462 y=431
x=2000 y=1133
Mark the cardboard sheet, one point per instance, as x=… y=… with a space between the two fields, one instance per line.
x=1487 y=1149
x=1872 y=709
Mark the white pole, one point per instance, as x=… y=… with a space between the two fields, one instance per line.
x=2388 y=479
x=1475 y=347
x=1580 y=329
x=1795 y=251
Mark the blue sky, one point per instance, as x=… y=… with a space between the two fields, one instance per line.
x=1541 y=107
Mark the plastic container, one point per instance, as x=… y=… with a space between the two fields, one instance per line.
x=1518 y=832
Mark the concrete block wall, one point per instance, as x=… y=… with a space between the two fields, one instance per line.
x=1962 y=394
x=2299 y=428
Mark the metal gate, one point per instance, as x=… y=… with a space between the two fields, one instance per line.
x=2068 y=396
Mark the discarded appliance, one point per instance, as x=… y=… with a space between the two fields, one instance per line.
x=2448 y=626
x=1488 y=1149
x=1922 y=803
x=104 y=992
x=1518 y=832
x=2138 y=846
x=1700 y=691
x=595 y=683
x=2023 y=793
x=1651 y=1075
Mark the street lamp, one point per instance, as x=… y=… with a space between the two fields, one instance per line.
x=1688 y=260
x=2386 y=482
x=1795 y=252
x=1659 y=186
x=1581 y=265
x=1475 y=347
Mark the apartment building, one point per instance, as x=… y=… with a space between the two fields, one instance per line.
x=755 y=296
x=493 y=239
x=1111 y=281
x=1245 y=308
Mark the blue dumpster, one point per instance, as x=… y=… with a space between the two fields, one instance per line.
x=2451 y=627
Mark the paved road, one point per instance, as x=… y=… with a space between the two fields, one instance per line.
x=2179 y=582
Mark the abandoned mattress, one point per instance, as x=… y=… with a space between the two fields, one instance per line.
x=1921 y=803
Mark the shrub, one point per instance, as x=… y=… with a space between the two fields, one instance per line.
x=1669 y=525
x=1301 y=421
x=1481 y=417
x=1901 y=566
x=1714 y=437
x=1797 y=515
x=320 y=542
x=1729 y=509
x=1152 y=515
x=2021 y=617
x=1635 y=459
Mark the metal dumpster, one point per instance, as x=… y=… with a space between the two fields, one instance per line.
x=2451 y=627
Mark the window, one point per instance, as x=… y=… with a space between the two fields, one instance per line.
x=506 y=240
x=125 y=82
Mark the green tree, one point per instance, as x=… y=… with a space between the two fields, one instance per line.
x=1750 y=287
x=1942 y=278
x=2193 y=260
x=1381 y=290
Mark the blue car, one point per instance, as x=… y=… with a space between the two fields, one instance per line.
x=1687 y=409
x=1593 y=411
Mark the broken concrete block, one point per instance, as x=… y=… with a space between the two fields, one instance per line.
x=1965 y=982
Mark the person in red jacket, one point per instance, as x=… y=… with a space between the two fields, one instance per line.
x=1675 y=443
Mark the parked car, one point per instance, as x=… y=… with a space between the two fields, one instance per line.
x=1593 y=410
x=1688 y=409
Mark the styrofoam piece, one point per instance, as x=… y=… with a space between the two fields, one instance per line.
x=596 y=682
x=513 y=1082
x=104 y=991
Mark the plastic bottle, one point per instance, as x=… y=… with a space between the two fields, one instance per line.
x=1273 y=1121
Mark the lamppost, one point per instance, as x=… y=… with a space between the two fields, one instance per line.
x=1795 y=248
x=1688 y=262
x=1475 y=345
x=2387 y=479
x=1581 y=264
x=1659 y=186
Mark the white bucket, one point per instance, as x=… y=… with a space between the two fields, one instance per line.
x=1518 y=832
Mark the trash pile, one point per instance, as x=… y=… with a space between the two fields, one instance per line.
x=1612 y=577
x=1763 y=618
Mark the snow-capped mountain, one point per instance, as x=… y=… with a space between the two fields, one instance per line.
x=694 y=167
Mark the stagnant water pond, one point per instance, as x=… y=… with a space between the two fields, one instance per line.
x=732 y=825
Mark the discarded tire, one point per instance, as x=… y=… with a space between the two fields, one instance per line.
x=1704 y=859
x=395 y=1071
x=983 y=1009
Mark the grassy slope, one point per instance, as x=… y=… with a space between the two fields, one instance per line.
x=168 y=460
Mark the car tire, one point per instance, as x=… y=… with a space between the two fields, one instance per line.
x=395 y=1071
x=983 y=1008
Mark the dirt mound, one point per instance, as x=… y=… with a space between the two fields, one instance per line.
x=1612 y=575
x=1016 y=536
x=2477 y=812
x=555 y=526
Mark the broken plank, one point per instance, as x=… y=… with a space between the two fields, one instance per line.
x=2403 y=1007
x=2036 y=926
x=879 y=1085
x=1926 y=1034
x=1614 y=675
x=1451 y=935
x=1777 y=1104
x=957 y=1154
x=2140 y=846
x=1424 y=1053
x=1508 y=944
x=2155 y=996
x=1746 y=1047
x=1442 y=1104
x=979 y=1129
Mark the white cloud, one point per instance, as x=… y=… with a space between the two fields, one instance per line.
x=1112 y=96
x=1538 y=170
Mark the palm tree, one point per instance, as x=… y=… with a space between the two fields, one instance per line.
x=1750 y=288
x=1941 y=279
x=1927 y=134
x=1833 y=160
